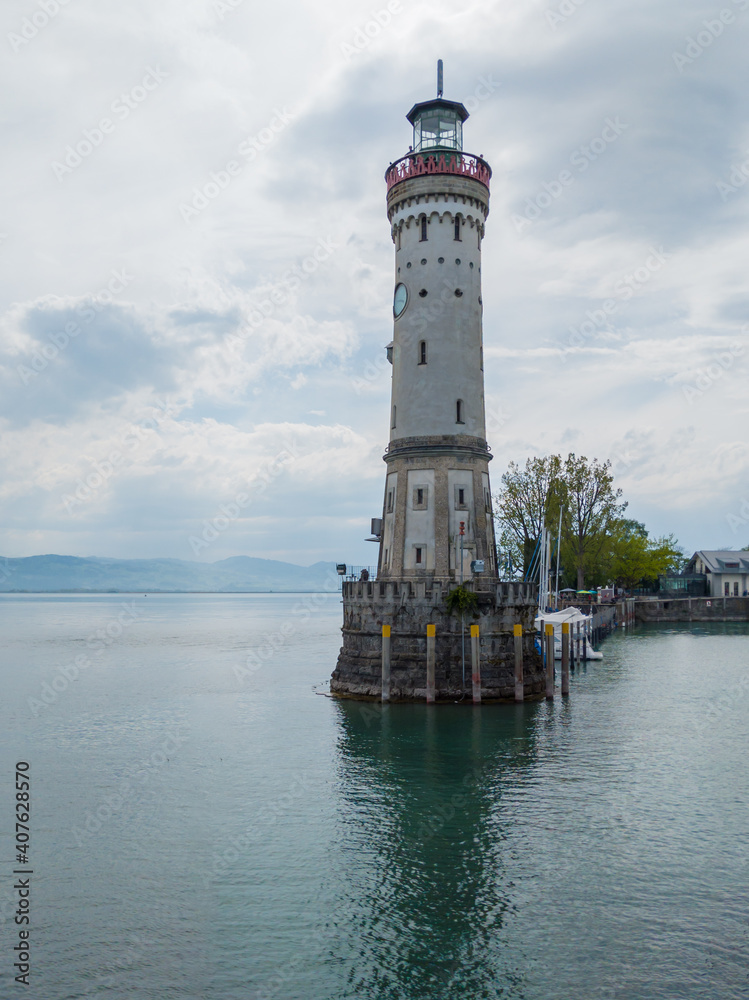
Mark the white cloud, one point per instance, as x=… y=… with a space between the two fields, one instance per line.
x=311 y=133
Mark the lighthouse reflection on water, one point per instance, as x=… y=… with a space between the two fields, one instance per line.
x=422 y=801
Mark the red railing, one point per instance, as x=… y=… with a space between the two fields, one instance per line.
x=415 y=165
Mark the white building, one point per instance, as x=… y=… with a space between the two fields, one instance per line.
x=727 y=572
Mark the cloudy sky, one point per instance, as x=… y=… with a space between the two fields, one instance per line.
x=197 y=269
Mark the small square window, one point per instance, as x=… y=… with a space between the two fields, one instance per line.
x=420 y=499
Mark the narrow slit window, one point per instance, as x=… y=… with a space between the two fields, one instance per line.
x=394 y=415
x=423 y=228
x=457 y=228
x=461 y=497
x=423 y=352
x=420 y=496
x=418 y=554
x=458 y=413
x=390 y=502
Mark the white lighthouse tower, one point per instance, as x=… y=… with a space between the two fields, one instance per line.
x=437 y=483
x=402 y=639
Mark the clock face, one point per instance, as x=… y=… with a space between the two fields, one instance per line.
x=399 y=300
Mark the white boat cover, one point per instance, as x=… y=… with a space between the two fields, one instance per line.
x=557 y=618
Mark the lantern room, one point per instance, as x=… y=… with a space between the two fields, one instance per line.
x=438 y=125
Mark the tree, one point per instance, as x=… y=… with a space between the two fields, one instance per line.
x=635 y=559
x=591 y=508
x=529 y=497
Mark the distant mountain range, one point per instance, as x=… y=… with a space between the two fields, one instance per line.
x=44 y=574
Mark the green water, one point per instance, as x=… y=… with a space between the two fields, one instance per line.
x=294 y=846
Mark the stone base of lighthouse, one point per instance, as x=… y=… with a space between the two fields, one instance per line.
x=408 y=606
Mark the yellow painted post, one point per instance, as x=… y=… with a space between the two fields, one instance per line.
x=549 y=661
x=386 y=663
x=565 y=658
x=475 y=665
x=431 y=649
x=519 y=683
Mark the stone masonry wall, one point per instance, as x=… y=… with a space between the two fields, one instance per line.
x=358 y=673
x=693 y=609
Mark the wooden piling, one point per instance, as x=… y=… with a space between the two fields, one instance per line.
x=431 y=652
x=475 y=665
x=386 y=663
x=549 y=661
x=519 y=683
x=565 y=659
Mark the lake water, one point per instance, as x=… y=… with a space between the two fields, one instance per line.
x=208 y=825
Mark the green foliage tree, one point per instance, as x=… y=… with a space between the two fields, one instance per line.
x=528 y=497
x=591 y=508
x=635 y=559
x=598 y=544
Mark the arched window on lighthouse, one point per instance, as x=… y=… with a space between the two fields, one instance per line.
x=457 y=228
x=422 y=352
x=458 y=412
x=423 y=228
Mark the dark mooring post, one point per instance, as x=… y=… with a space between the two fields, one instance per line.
x=386 y=663
x=549 y=661
x=565 y=658
x=431 y=651
x=519 y=682
x=475 y=665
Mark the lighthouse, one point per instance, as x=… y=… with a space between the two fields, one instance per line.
x=436 y=530
x=437 y=518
